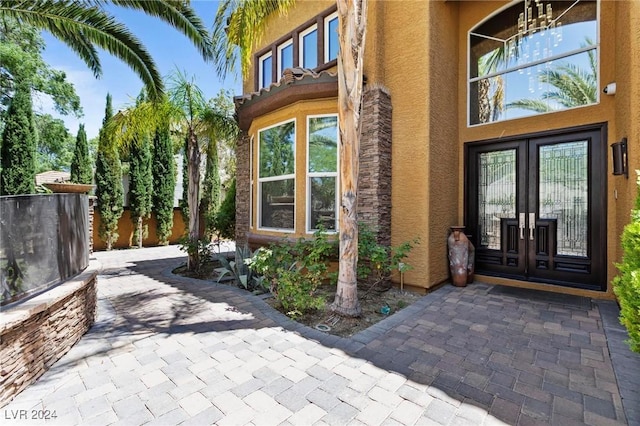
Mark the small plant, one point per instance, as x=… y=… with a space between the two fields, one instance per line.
x=294 y=273
x=202 y=246
x=626 y=286
x=376 y=262
x=243 y=274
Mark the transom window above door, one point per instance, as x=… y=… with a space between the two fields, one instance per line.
x=533 y=57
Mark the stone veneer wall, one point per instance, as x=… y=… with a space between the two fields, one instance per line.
x=39 y=331
x=243 y=187
x=374 y=181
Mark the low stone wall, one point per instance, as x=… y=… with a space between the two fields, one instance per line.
x=39 y=331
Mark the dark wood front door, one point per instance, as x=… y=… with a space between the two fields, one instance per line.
x=536 y=207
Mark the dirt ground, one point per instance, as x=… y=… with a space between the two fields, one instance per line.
x=375 y=304
x=372 y=303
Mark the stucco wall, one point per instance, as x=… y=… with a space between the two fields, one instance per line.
x=627 y=112
x=405 y=61
x=617 y=40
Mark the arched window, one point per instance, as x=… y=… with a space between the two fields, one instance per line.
x=533 y=57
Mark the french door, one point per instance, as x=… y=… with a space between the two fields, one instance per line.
x=536 y=208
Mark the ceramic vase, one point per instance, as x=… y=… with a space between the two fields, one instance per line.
x=458 y=245
x=471 y=266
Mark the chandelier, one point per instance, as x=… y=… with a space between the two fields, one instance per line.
x=537 y=17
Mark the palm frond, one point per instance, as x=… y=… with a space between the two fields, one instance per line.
x=177 y=13
x=186 y=96
x=238 y=28
x=217 y=126
x=531 y=105
x=81 y=27
x=139 y=119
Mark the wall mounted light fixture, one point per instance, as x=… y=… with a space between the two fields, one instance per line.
x=620 y=159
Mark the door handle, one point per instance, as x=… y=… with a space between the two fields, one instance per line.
x=522 y=224
x=532 y=225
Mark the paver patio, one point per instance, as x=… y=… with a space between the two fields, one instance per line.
x=170 y=350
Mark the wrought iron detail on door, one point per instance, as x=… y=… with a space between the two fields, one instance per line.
x=535 y=207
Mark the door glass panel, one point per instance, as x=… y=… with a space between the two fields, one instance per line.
x=496 y=194
x=563 y=193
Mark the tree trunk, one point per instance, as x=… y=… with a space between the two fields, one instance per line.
x=193 y=170
x=140 y=232
x=352 y=16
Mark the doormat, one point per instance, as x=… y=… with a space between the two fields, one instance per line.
x=542 y=296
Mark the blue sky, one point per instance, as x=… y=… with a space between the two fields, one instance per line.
x=169 y=49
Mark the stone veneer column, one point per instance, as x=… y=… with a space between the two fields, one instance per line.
x=374 y=181
x=243 y=188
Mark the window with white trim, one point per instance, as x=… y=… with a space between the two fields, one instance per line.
x=276 y=176
x=331 y=37
x=533 y=57
x=251 y=182
x=309 y=47
x=265 y=70
x=285 y=56
x=322 y=172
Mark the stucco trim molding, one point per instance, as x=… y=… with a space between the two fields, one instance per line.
x=296 y=85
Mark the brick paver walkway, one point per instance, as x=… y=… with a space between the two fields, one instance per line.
x=169 y=350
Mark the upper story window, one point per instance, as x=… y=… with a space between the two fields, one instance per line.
x=322 y=172
x=285 y=56
x=309 y=48
x=533 y=57
x=331 y=37
x=276 y=176
x=313 y=45
x=265 y=64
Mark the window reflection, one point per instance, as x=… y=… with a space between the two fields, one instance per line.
x=309 y=46
x=551 y=69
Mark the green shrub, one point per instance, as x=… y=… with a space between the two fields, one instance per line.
x=377 y=262
x=201 y=246
x=626 y=286
x=294 y=273
x=225 y=218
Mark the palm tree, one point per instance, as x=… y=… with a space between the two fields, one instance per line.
x=195 y=120
x=238 y=27
x=84 y=25
x=573 y=86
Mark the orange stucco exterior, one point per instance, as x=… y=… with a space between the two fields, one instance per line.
x=418 y=51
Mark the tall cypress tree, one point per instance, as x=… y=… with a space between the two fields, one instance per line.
x=211 y=193
x=18 y=151
x=140 y=186
x=108 y=182
x=81 y=171
x=164 y=182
